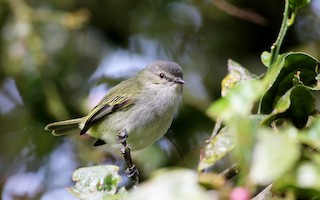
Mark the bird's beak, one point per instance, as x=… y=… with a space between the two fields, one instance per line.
x=179 y=80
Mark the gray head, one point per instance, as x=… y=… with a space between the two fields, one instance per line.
x=164 y=72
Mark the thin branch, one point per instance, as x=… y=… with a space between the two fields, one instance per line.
x=240 y=13
x=265 y=194
x=215 y=131
x=230 y=171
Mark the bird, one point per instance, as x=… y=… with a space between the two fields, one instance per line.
x=133 y=114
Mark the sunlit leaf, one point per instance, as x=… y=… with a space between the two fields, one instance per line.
x=236 y=74
x=304 y=179
x=246 y=131
x=257 y=119
x=97 y=183
x=218 y=147
x=308 y=175
x=238 y=102
x=274 y=155
x=172 y=185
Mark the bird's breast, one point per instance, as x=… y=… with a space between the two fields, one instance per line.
x=146 y=121
x=152 y=117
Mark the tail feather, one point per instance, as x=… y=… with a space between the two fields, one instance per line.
x=64 y=127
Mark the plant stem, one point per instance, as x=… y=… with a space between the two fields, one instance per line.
x=230 y=171
x=283 y=30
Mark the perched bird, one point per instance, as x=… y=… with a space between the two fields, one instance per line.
x=133 y=114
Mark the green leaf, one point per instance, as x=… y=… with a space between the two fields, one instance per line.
x=217 y=148
x=311 y=136
x=305 y=178
x=283 y=104
x=238 y=102
x=274 y=155
x=241 y=133
x=279 y=78
x=246 y=130
x=297 y=104
x=273 y=70
x=236 y=75
x=302 y=106
x=97 y=183
x=257 y=119
x=266 y=58
x=296 y=4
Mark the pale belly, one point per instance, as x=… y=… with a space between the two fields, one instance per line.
x=143 y=126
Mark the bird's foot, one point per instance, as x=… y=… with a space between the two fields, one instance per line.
x=122 y=137
x=132 y=171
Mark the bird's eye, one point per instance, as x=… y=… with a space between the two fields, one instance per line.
x=161 y=75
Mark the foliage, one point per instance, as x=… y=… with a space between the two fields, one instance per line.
x=171 y=184
x=273 y=144
x=99 y=182
x=276 y=143
x=267 y=126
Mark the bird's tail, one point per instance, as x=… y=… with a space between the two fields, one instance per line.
x=64 y=127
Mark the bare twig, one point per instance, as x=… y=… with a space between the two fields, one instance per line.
x=240 y=13
x=264 y=194
x=216 y=129
x=230 y=171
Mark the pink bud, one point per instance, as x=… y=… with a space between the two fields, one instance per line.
x=240 y=193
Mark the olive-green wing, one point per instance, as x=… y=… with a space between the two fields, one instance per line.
x=107 y=106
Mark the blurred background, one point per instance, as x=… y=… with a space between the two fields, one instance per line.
x=59 y=58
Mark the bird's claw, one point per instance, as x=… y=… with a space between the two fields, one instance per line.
x=122 y=137
x=132 y=171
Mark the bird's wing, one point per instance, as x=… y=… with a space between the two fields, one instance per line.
x=107 y=106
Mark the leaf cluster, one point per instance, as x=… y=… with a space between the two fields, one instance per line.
x=269 y=124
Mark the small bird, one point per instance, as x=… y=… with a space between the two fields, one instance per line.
x=133 y=114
